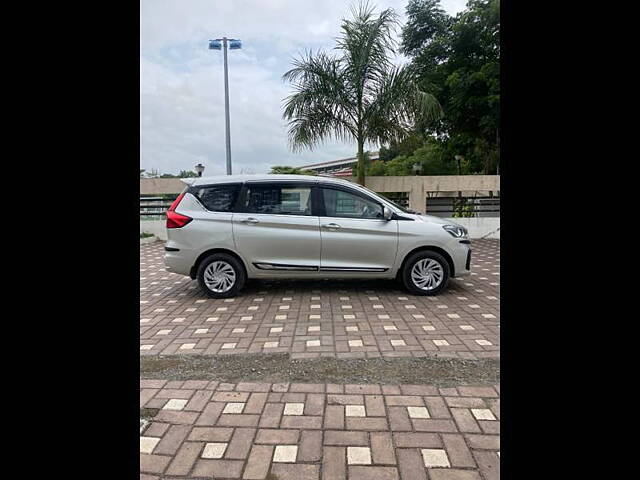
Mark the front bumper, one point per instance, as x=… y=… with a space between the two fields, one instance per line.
x=461 y=256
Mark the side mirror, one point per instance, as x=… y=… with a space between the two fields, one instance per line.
x=387 y=213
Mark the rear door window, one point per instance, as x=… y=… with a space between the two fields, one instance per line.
x=217 y=198
x=278 y=199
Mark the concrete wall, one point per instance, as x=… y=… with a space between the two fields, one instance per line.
x=418 y=186
x=149 y=186
x=157 y=227
x=478 y=227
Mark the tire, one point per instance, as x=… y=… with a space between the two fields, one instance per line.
x=221 y=267
x=432 y=264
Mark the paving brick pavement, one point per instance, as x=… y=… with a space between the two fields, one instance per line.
x=205 y=429
x=344 y=319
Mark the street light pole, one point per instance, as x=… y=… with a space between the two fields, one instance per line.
x=226 y=106
x=222 y=44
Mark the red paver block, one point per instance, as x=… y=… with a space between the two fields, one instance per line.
x=334 y=463
x=172 y=439
x=346 y=438
x=363 y=423
x=483 y=392
x=153 y=463
x=374 y=405
x=210 y=414
x=278 y=437
x=382 y=448
x=457 y=451
x=453 y=474
x=255 y=403
x=240 y=444
x=417 y=440
x=198 y=401
x=399 y=419
x=258 y=464
x=310 y=448
x=156 y=429
x=211 y=434
x=411 y=464
x=284 y=471
x=271 y=415
x=334 y=417
x=465 y=421
x=489 y=464
x=373 y=473
x=178 y=418
x=186 y=457
x=314 y=404
x=218 y=468
x=437 y=407
x=434 y=425
x=483 y=442
x=301 y=422
x=238 y=420
x=405 y=400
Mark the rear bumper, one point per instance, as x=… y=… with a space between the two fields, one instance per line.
x=179 y=261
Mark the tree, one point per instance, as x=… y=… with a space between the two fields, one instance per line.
x=142 y=170
x=187 y=174
x=358 y=95
x=291 y=171
x=458 y=60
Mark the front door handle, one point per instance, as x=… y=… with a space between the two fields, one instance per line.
x=250 y=220
x=331 y=225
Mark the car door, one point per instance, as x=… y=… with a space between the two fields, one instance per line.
x=354 y=234
x=274 y=227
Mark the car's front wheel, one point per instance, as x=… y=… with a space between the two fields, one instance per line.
x=221 y=276
x=425 y=273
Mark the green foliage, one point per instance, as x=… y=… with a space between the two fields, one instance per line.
x=142 y=170
x=187 y=174
x=377 y=168
x=458 y=60
x=432 y=158
x=290 y=171
x=358 y=94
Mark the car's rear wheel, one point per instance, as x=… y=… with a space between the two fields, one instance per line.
x=221 y=275
x=425 y=273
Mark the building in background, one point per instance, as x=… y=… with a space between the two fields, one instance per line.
x=337 y=168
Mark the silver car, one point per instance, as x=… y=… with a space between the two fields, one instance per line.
x=224 y=230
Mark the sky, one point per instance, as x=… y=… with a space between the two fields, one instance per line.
x=182 y=82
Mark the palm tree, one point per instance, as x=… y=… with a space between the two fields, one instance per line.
x=356 y=96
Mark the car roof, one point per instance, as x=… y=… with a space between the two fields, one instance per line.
x=263 y=178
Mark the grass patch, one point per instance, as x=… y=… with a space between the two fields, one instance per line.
x=275 y=368
x=146 y=235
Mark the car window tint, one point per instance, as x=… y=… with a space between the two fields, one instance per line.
x=278 y=199
x=338 y=203
x=217 y=198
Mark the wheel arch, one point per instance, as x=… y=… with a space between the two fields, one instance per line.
x=431 y=248
x=211 y=251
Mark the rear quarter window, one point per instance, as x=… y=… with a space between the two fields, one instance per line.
x=217 y=198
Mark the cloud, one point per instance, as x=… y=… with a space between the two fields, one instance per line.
x=181 y=81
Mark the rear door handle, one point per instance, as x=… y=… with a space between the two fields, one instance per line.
x=250 y=220
x=331 y=225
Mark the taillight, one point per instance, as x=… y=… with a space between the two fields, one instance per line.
x=176 y=220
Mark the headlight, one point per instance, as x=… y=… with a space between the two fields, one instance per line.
x=456 y=231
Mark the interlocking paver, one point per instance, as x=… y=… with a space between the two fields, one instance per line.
x=213 y=444
x=344 y=319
